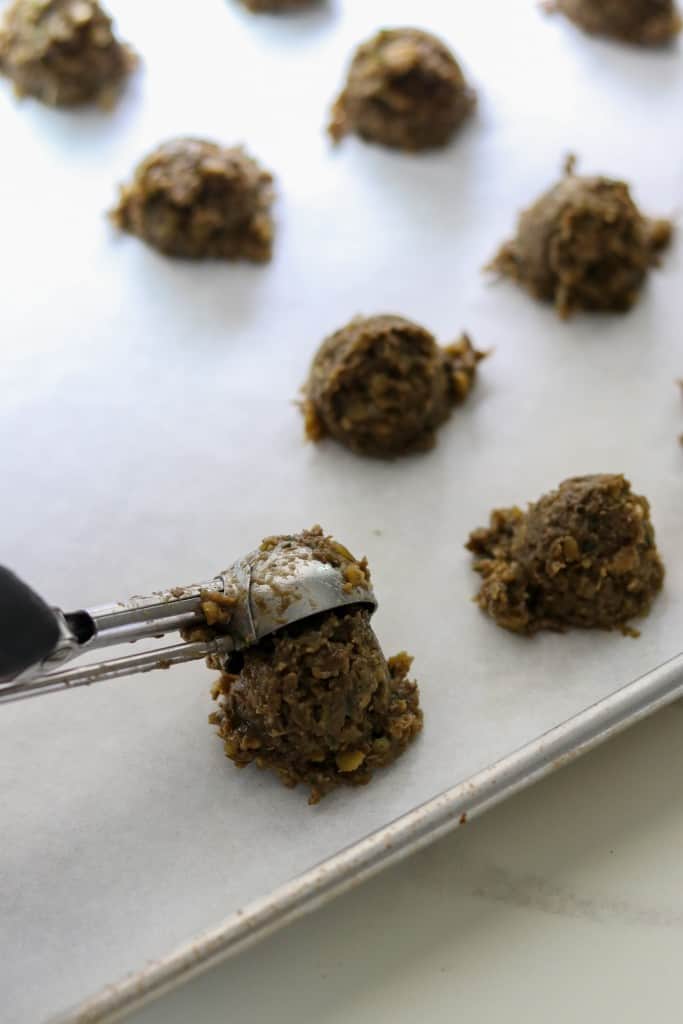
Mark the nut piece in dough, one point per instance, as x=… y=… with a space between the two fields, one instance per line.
x=583 y=555
x=197 y=200
x=381 y=386
x=317 y=702
x=646 y=22
x=404 y=89
x=583 y=245
x=63 y=52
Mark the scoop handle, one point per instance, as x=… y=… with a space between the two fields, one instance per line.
x=29 y=627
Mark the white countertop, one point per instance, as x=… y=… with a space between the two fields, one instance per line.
x=564 y=904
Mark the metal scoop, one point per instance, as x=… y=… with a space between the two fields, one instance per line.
x=284 y=581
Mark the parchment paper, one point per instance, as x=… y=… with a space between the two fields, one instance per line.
x=148 y=438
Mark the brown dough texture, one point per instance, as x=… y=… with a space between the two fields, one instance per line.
x=381 y=386
x=583 y=555
x=646 y=22
x=62 y=52
x=194 y=199
x=318 y=703
x=404 y=89
x=584 y=245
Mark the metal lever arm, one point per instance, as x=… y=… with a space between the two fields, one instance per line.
x=115 y=668
x=35 y=640
x=167 y=611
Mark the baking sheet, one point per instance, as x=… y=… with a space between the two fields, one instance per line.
x=148 y=437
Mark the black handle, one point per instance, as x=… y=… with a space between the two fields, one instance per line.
x=29 y=628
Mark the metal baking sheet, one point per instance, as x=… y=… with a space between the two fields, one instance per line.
x=148 y=437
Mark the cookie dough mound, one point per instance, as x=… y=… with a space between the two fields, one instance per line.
x=647 y=22
x=196 y=200
x=584 y=555
x=583 y=245
x=275 y=6
x=318 y=704
x=381 y=386
x=404 y=89
x=63 y=52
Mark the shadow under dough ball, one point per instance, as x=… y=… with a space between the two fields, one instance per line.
x=647 y=22
x=62 y=52
x=197 y=200
x=381 y=386
x=404 y=89
x=318 y=702
x=583 y=555
x=583 y=245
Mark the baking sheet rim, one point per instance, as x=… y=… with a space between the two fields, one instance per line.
x=389 y=844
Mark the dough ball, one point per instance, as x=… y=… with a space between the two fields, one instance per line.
x=584 y=555
x=196 y=200
x=404 y=89
x=318 y=703
x=63 y=52
x=381 y=386
x=647 y=22
x=583 y=245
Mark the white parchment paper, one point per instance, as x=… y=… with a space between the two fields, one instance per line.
x=148 y=437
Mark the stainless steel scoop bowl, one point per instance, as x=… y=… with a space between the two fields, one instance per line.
x=284 y=581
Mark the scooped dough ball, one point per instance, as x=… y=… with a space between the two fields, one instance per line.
x=196 y=200
x=583 y=245
x=404 y=89
x=275 y=6
x=63 y=52
x=648 y=22
x=381 y=386
x=584 y=555
x=318 y=703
